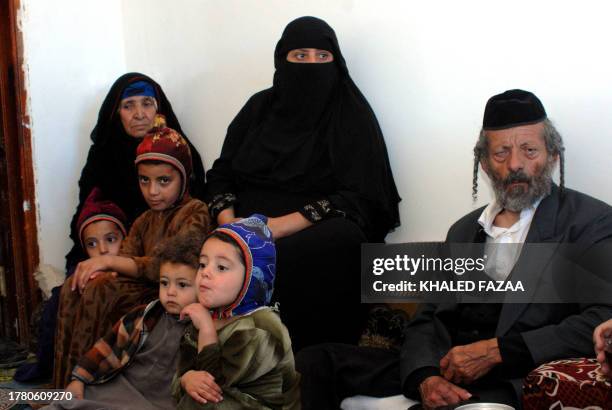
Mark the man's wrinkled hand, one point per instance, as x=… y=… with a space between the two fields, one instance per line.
x=465 y=364
x=436 y=391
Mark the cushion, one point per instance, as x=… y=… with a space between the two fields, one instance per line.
x=567 y=384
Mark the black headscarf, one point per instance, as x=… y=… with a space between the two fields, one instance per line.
x=110 y=163
x=313 y=131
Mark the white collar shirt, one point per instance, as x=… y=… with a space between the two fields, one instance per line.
x=501 y=259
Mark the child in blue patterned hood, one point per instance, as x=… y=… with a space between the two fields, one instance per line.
x=236 y=354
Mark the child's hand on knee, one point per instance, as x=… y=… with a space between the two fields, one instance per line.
x=201 y=386
x=77 y=388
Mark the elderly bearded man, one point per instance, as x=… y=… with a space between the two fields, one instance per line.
x=456 y=352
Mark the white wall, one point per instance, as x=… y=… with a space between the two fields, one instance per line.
x=427 y=69
x=72 y=55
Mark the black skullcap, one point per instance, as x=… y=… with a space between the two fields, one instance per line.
x=511 y=109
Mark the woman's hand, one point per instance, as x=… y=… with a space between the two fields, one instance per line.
x=77 y=388
x=280 y=227
x=226 y=216
x=275 y=227
x=88 y=269
x=287 y=225
x=201 y=386
x=601 y=333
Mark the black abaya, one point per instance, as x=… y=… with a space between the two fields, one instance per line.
x=311 y=144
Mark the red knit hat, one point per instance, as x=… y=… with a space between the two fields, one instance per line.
x=96 y=208
x=166 y=145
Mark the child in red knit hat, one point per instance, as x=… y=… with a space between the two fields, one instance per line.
x=163 y=160
x=83 y=318
x=102 y=225
x=68 y=324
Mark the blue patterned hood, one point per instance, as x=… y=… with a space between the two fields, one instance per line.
x=255 y=241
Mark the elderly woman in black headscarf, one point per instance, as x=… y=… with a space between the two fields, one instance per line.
x=309 y=153
x=126 y=115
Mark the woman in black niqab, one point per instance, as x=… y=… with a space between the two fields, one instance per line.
x=310 y=146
